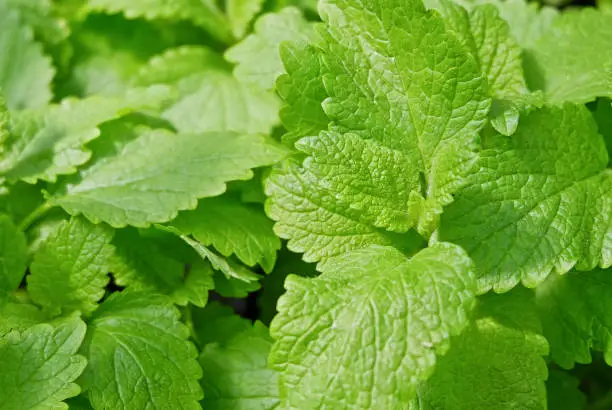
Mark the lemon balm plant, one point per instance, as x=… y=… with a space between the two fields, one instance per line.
x=418 y=194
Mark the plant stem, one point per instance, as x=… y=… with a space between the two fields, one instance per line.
x=34 y=215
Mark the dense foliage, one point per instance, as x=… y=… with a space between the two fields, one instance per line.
x=394 y=205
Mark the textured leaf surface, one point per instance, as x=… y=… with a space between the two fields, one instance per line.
x=236 y=376
x=139 y=357
x=366 y=332
x=500 y=368
x=13 y=257
x=50 y=141
x=573 y=60
x=392 y=126
x=538 y=202
x=141 y=264
x=19 y=316
x=69 y=271
x=233 y=228
x=39 y=365
x=257 y=57
x=25 y=72
x=488 y=37
x=160 y=173
x=574 y=309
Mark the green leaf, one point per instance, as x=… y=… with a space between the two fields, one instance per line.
x=574 y=312
x=160 y=173
x=406 y=311
x=51 y=141
x=229 y=268
x=257 y=57
x=140 y=264
x=139 y=357
x=302 y=92
x=400 y=140
x=69 y=271
x=19 y=315
x=240 y=13
x=236 y=376
x=536 y=203
x=205 y=13
x=205 y=85
x=41 y=16
x=573 y=61
x=233 y=228
x=564 y=392
x=40 y=364
x=25 y=72
x=13 y=257
x=603 y=117
x=232 y=287
x=228 y=106
x=217 y=323
x=488 y=37
x=499 y=368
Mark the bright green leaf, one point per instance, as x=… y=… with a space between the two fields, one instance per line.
x=257 y=57
x=489 y=367
x=25 y=72
x=400 y=141
x=139 y=357
x=233 y=228
x=537 y=202
x=572 y=61
x=160 y=173
x=70 y=270
x=236 y=376
x=51 y=141
x=39 y=365
x=240 y=13
x=367 y=331
x=574 y=312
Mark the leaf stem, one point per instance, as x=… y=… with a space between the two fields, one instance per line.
x=34 y=215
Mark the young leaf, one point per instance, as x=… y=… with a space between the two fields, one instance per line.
x=236 y=376
x=574 y=312
x=400 y=141
x=572 y=60
x=233 y=228
x=19 y=316
x=51 y=141
x=160 y=173
x=39 y=365
x=13 y=257
x=257 y=57
x=25 y=72
x=538 y=202
x=139 y=357
x=70 y=270
x=367 y=331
